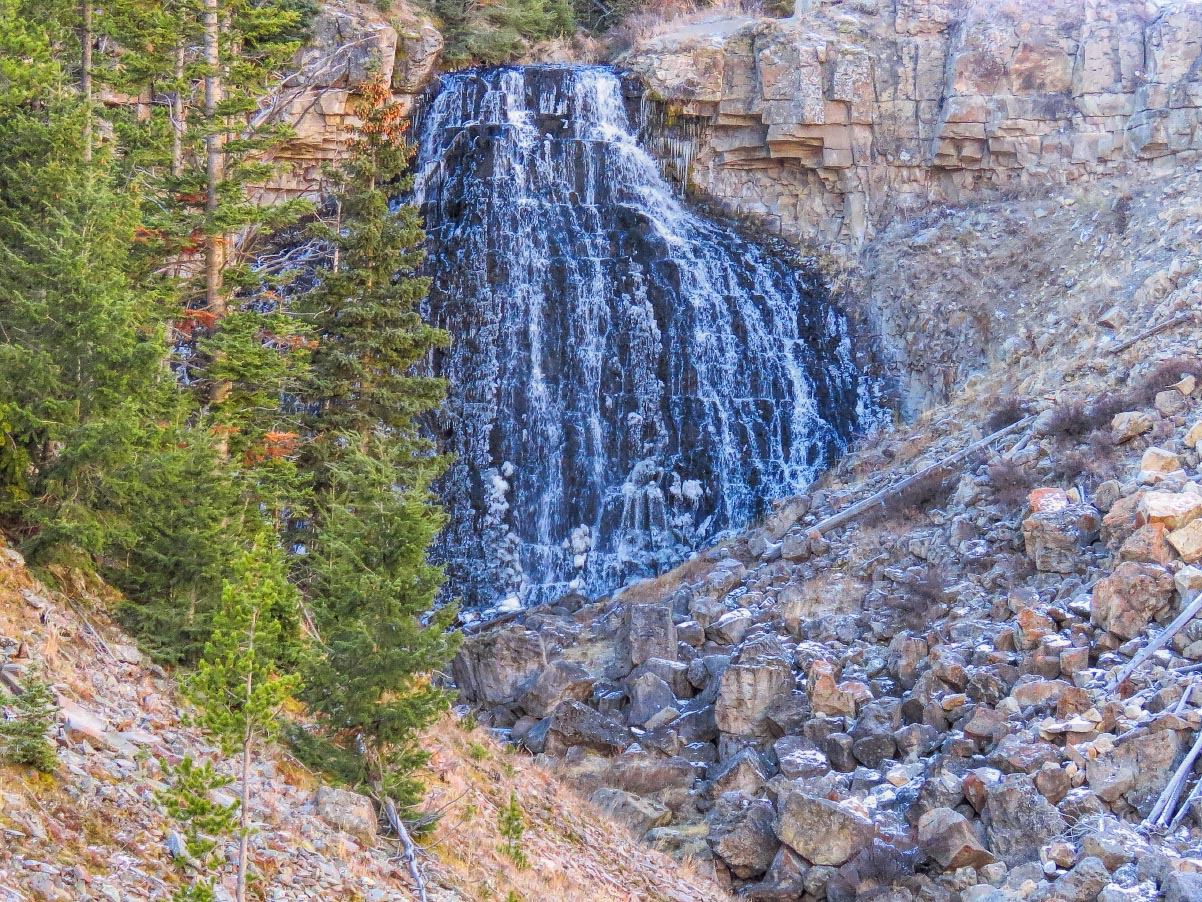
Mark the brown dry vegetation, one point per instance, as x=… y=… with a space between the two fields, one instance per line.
x=115 y=830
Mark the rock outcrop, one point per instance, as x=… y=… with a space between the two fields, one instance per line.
x=351 y=44
x=831 y=122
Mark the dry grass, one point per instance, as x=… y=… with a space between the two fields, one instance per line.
x=574 y=852
x=666 y=583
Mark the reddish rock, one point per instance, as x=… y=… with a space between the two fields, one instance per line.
x=1126 y=601
x=1149 y=544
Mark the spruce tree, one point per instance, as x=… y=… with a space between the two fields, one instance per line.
x=189 y=800
x=374 y=516
x=24 y=737
x=365 y=311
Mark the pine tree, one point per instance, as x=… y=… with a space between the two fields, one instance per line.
x=189 y=799
x=236 y=685
x=512 y=825
x=23 y=737
x=366 y=309
x=374 y=594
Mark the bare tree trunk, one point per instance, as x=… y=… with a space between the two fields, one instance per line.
x=248 y=738
x=244 y=824
x=86 y=81
x=214 y=162
x=177 y=113
x=215 y=301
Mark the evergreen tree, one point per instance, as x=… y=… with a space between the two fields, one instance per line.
x=374 y=516
x=512 y=826
x=374 y=593
x=24 y=736
x=189 y=799
x=236 y=684
x=366 y=309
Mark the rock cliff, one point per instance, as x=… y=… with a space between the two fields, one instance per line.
x=832 y=122
x=351 y=43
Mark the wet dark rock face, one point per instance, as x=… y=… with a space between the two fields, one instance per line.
x=627 y=378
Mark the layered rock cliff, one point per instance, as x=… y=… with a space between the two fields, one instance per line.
x=832 y=122
x=350 y=45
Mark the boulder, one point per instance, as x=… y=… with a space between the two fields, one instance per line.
x=1156 y=464
x=906 y=656
x=742 y=834
x=1182 y=887
x=835 y=699
x=1129 y=424
x=730 y=628
x=1018 y=820
x=635 y=812
x=1193 y=438
x=746 y=692
x=1172 y=509
x=649 y=695
x=798 y=759
x=948 y=837
x=742 y=773
x=81 y=725
x=1126 y=601
x=347 y=811
x=650 y=631
x=1055 y=538
x=1187 y=541
x=559 y=680
x=494 y=667
x=873 y=733
x=1136 y=769
x=819 y=830
x=1149 y=544
x=1083 y=883
x=576 y=724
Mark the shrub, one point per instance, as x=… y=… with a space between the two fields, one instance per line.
x=1007 y=412
x=919 y=496
x=1096 y=461
x=924 y=599
x=871 y=873
x=1011 y=482
x=1160 y=377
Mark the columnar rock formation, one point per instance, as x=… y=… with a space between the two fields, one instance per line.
x=830 y=122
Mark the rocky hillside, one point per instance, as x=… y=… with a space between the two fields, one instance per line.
x=955 y=696
x=833 y=122
x=93 y=831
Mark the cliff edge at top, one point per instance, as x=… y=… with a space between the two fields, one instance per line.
x=829 y=122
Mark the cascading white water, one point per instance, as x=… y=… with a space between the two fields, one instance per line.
x=627 y=378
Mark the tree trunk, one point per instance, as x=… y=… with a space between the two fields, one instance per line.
x=214 y=161
x=177 y=113
x=248 y=738
x=215 y=302
x=244 y=822
x=86 y=80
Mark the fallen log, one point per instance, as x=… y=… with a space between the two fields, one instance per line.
x=1161 y=640
x=860 y=507
x=1148 y=333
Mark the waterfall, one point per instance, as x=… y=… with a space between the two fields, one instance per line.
x=627 y=378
